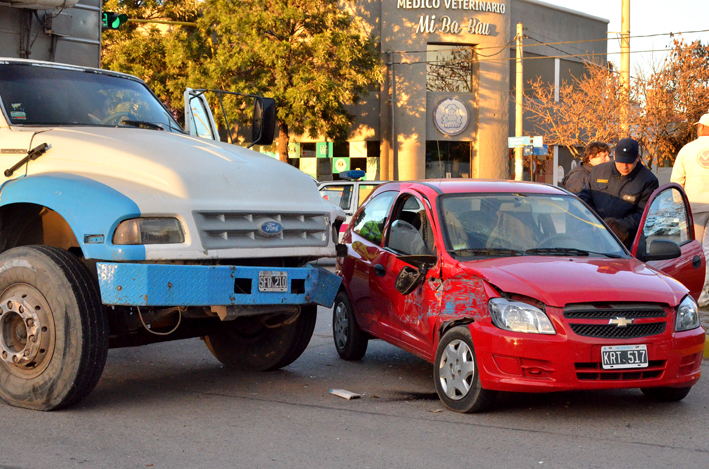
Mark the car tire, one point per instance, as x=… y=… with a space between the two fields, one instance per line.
x=350 y=341
x=455 y=374
x=53 y=328
x=253 y=344
x=666 y=394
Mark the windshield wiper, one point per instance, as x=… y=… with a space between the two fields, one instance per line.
x=33 y=154
x=150 y=125
x=568 y=251
x=487 y=252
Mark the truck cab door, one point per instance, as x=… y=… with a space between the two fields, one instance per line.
x=667 y=217
x=199 y=120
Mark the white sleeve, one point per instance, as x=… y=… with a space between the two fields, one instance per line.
x=679 y=174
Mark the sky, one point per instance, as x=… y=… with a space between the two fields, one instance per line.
x=646 y=17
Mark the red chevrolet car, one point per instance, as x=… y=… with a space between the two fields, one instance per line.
x=512 y=286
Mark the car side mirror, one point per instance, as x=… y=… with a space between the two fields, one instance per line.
x=411 y=276
x=341 y=250
x=661 y=250
x=263 y=126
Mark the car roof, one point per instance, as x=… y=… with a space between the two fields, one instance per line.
x=456 y=186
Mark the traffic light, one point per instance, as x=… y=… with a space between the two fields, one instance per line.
x=112 y=20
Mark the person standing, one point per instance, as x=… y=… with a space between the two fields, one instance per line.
x=619 y=190
x=691 y=171
x=594 y=154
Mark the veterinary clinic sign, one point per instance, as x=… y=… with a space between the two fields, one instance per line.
x=444 y=24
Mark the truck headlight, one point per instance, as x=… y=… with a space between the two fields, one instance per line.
x=519 y=317
x=687 y=315
x=149 y=231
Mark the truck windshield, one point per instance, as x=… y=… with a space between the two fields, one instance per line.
x=55 y=96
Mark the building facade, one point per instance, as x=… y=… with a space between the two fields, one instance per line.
x=445 y=108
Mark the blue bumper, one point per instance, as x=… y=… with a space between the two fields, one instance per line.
x=198 y=285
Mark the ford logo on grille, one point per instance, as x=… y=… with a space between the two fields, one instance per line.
x=270 y=228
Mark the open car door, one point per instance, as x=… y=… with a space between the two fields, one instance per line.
x=199 y=120
x=667 y=218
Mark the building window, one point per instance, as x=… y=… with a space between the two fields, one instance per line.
x=449 y=68
x=447 y=159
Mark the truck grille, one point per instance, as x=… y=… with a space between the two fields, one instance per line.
x=609 y=311
x=611 y=331
x=229 y=230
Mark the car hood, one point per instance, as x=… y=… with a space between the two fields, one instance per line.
x=557 y=281
x=156 y=167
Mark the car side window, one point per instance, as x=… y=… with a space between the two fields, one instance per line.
x=339 y=195
x=372 y=218
x=411 y=232
x=666 y=219
x=365 y=190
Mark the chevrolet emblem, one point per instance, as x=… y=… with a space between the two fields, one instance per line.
x=621 y=322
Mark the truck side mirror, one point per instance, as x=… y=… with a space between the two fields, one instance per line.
x=263 y=125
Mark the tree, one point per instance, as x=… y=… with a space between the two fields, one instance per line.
x=307 y=54
x=161 y=55
x=664 y=104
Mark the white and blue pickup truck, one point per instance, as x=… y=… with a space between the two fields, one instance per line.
x=119 y=228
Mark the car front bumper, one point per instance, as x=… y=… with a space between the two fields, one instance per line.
x=132 y=284
x=521 y=362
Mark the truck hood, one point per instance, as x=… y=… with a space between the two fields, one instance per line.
x=154 y=167
x=557 y=281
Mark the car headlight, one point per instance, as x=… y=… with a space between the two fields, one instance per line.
x=687 y=315
x=519 y=317
x=149 y=231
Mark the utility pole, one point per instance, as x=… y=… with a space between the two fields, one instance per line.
x=519 y=123
x=625 y=67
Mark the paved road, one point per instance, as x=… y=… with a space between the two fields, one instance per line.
x=173 y=405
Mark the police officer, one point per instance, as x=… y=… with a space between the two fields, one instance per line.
x=619 y=190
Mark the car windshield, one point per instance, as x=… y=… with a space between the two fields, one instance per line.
x=45 y=95
x=495 y=225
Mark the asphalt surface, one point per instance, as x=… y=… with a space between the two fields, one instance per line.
x=173 y=405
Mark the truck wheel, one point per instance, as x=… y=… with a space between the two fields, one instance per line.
x=455 y=373
x=665 y=394
x=251 y=344
x=350 y=341
x=53 y=328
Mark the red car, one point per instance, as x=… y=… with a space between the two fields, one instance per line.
x=512 y=286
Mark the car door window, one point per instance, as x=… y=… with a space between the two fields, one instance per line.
x=411 y=231
x=339 y=195
x=372 y=218
x=666 y=219
x=364 y=191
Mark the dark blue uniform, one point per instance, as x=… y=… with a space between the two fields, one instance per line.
x=619 y=200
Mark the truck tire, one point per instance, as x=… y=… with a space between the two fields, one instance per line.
x=248 y=344
x=53 y=328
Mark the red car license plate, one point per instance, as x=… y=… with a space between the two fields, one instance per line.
x=272 y=281
x=624 y=356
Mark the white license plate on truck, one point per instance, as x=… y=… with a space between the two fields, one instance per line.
x=272 y=281
x=624 y=356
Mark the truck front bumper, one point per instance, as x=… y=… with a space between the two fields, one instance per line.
x=198 y=285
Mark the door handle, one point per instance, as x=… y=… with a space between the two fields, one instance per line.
x=696 y=262
x=380 y=270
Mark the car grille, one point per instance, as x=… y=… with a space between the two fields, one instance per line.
x=609 y=311
x=611 y=331
x=228 y=230
x=595 y=372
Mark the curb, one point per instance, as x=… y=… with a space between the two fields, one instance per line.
x=706 y=348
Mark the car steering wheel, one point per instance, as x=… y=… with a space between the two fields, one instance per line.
x=547 y=242
x=117 y=117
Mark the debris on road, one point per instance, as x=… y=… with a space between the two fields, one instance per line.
x=345 y=394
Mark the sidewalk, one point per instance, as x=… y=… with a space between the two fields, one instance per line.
x=704 y=320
